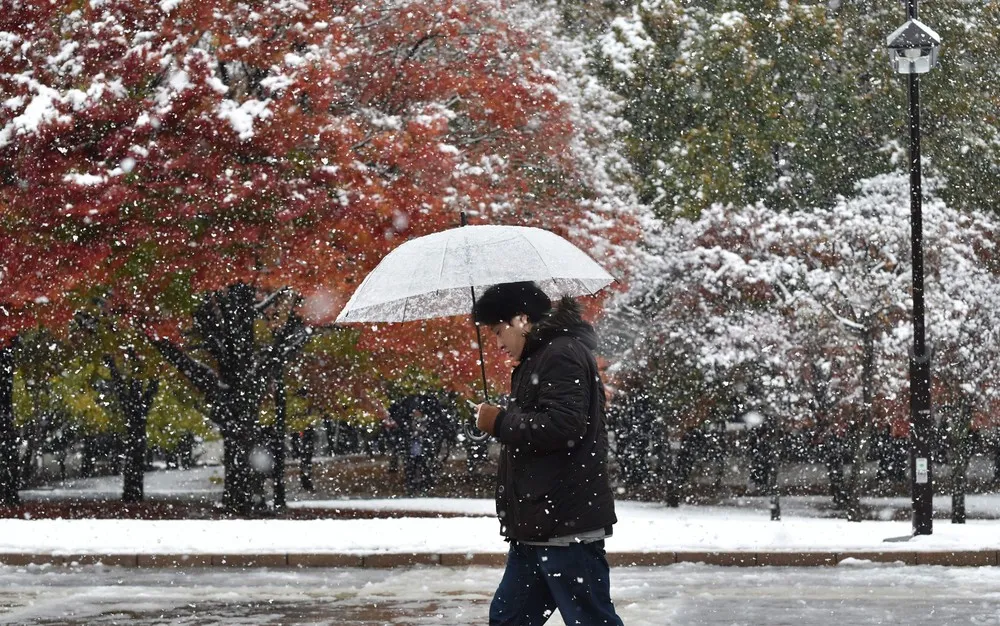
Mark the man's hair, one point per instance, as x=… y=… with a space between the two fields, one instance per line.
x=503 y=302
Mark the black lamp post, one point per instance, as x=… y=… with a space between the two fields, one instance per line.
x=913 y=50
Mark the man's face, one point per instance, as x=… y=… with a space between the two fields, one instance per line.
x=511 y=335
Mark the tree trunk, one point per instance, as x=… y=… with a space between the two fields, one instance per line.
x=278 y=445
x=135 y=399
x=835 y=474
x=133 y=470
x=852 y=484
x=958 y=498
x=960 y=462
x=9 y=475
x=719 y=453
x=135 y=452
x=332 y=431
x=834 y=458
x=244 y=440
x=671 y=480
x=775 y=461
x=87 y=462
x=32 y=437
x=224 y=323
x=307 y=448
x=235 y=387
x=238 y=487
x=996 y=459
x=861 y=435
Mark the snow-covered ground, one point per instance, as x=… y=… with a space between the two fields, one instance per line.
x=197 y=482
x=853 y=592
x=206 y=480
x=642 y=527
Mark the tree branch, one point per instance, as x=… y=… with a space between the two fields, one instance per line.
x=264 y=304
x=203 y=377
x=152 y=388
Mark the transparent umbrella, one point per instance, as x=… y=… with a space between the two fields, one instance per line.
x=437 y=275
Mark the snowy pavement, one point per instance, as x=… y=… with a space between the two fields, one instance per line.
x=684 y=594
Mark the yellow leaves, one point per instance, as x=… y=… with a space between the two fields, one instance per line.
x=174 y=418
x=69 y=393
x=90 y=410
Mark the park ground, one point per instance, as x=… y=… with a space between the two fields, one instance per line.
x=195 y=493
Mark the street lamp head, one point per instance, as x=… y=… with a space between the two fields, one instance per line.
x=913 y=48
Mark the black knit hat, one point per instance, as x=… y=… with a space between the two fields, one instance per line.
x=503 y=302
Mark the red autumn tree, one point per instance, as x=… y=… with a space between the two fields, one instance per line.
x=36 y=280
x=243 y=148
x=50 y=251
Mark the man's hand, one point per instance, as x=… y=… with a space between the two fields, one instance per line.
x=486 y=417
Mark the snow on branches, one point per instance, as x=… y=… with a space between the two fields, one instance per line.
x=812 y=309
x=188 y=146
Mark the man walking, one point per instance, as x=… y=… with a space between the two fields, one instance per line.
x=553 y=497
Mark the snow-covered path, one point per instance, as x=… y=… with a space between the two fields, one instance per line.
x=692 y=595
x=642 y=527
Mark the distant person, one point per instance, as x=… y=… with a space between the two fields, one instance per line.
x=636 y=434
x=306 y=450
x=553 y=497
x=395 y=426
x=421 y=437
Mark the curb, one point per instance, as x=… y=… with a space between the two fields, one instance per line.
x=962 y=558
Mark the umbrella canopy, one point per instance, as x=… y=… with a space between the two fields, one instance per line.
x=435 y=275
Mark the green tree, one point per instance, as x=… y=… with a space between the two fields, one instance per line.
x=792 y=103
x=960 y=100
x=55 y=399
x=178 y=416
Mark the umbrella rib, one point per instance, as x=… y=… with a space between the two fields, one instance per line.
x=542 y=259
x=444 y=255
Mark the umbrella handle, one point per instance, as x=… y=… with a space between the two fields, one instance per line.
x=474 y=433
x=471 y=431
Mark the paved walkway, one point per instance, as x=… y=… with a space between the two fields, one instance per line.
x=686 y=594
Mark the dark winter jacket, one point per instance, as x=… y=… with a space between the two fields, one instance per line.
x=553 y=475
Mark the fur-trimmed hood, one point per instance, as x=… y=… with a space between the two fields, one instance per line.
x=564 y=319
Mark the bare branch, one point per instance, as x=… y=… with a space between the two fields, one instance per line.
x=203 y=377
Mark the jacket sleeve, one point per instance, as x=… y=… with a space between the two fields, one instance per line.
x=562 y=409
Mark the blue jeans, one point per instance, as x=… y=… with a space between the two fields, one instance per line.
x=539 y=579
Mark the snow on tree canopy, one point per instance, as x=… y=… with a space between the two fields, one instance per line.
x=290 y=145
x=780 y=296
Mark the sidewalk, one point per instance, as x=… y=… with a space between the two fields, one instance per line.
x=647 y=534
x=686 y=594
